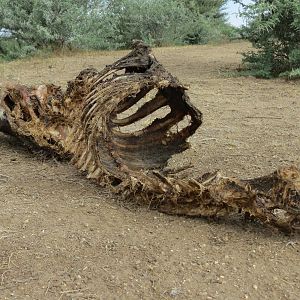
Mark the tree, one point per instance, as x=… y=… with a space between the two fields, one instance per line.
x=157 y=22
x=274 y=30
x=208 y=8
x=54 y=24
x=108 y=24
x=41 y=23
x=212 y=21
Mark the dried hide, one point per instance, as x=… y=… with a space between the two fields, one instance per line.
x=95 y=124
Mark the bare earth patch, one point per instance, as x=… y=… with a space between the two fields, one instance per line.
x=62 y=237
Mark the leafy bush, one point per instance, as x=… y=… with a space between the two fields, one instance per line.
x=171 y=22
x=41 y=23
x=108 y=24
x=11 y=49
x=98 y=31
x=274 y=29
x=157 y=22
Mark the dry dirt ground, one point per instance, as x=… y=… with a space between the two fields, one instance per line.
x=63 y=237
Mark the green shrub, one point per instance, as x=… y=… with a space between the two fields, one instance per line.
x=36 y=25
x=274 y=29
x=157 y=22
x=11 y=49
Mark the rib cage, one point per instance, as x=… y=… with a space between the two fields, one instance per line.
x=86 y=123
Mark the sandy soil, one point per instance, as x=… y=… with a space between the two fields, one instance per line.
x=63 y=237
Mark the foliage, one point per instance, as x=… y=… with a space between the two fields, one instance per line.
x=108 y=24
x=37 y=24
x=98 y=30
x=11 y=49
x=157 y=22
x=274 y=30
x=41 y=23
x=211 y=19
x=169 y=22
x=205 y=7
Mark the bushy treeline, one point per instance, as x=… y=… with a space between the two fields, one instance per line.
x=274 y=30
x=108 y=24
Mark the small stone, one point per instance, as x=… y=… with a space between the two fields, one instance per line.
x=174 y=292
